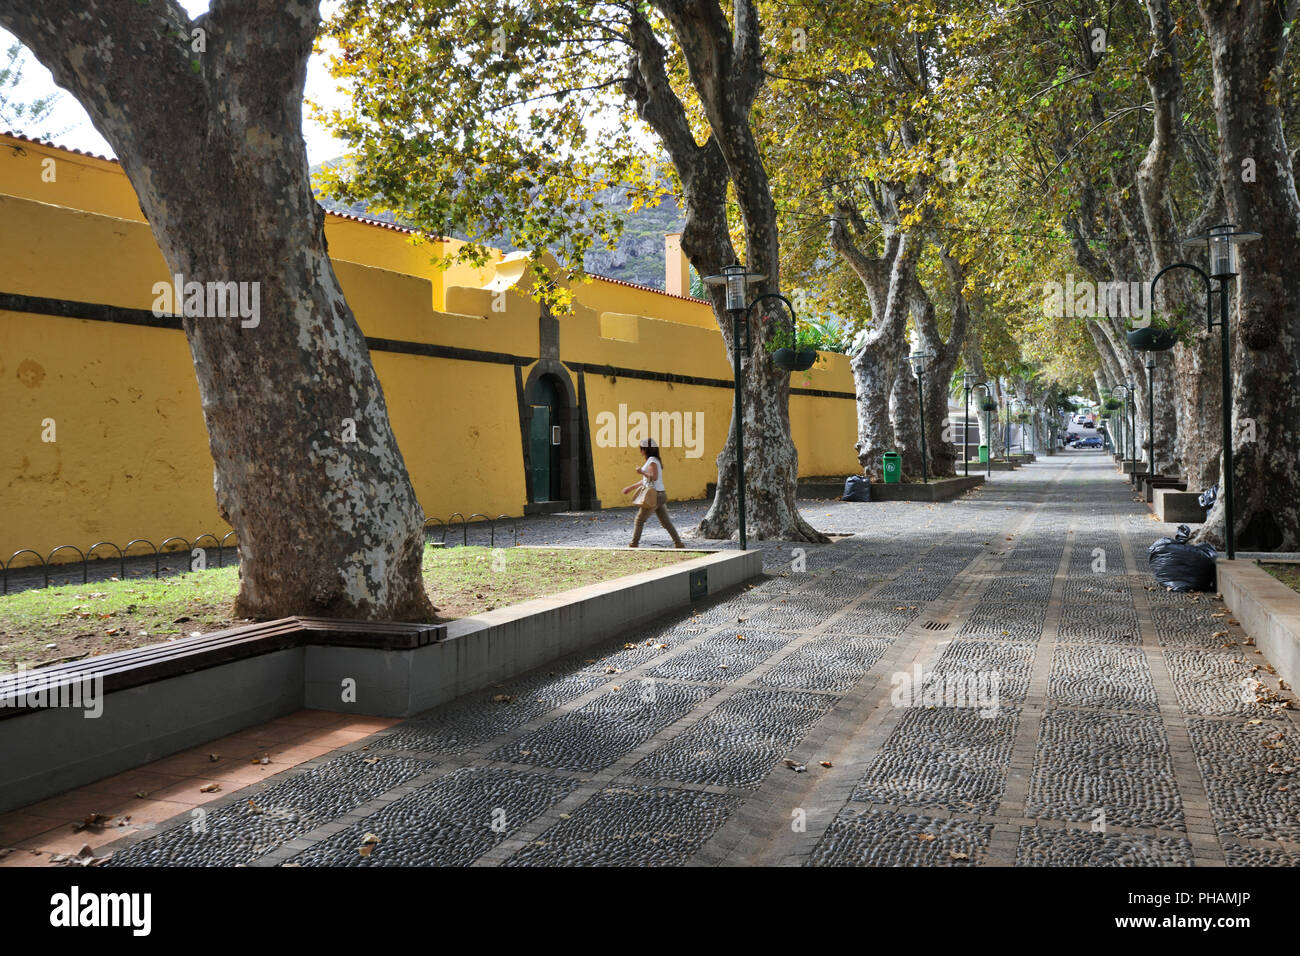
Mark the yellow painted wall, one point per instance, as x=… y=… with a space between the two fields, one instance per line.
x=825 y=429
x=684 y=476
x=605 y=295
x=457 y=424
x=131 y=457
x=79 y=181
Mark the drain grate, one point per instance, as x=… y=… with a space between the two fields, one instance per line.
x=935 y=625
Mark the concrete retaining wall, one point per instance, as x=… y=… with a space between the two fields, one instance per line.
x=51 y=750
x=1267 y=609
x=482 y=650
x=937 y=489
x=47 y=750
x=1178 y=507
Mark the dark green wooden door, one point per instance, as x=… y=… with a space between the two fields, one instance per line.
x=539 y=452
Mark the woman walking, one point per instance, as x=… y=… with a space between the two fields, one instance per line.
x=652 y=498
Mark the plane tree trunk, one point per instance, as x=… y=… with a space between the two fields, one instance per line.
x=725 y=68
x=905 y=413
x=939 y=429
x=877 y=359
x=873 y=381
x=1248 y=43
x=973 y=359
x=211 y=140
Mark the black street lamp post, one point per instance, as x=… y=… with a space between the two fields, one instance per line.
x=1119 y=424
x=1010 y=393
x=1117 y=427
x=967 y=381
x=988 y=425
x=920 y=360
x=1129 y=428
x=1151 y=415
x=1133 y=426
x=1221 y=244
x=736 y=278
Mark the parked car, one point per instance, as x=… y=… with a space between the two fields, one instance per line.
x=1092 y=441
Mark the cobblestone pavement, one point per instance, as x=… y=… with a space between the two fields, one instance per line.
x=986 y=682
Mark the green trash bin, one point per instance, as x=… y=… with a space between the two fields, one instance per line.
x=893 y=467
x=984 y=454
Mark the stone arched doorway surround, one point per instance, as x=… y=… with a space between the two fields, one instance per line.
x=563 y=480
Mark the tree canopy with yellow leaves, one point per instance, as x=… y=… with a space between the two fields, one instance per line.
x=913 y=174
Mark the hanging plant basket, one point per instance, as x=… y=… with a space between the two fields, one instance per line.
x=1112 y=404
x=1152 y=339
x=988 y=405
x=794 y=360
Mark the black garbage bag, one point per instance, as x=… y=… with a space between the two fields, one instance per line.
x=856 y=488
x=1208 y=497
x=1180 y=565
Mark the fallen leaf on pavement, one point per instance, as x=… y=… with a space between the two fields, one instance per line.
x=93 y=821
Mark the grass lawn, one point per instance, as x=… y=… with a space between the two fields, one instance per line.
x=46 y=625
x=1288 y=574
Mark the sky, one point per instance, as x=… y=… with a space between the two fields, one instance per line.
x=69 y=125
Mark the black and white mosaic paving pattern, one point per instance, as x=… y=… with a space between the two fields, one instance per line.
x=1055 y=846
x=836 y=713
x=1113 y=769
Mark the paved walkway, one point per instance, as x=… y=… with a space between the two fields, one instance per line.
x=1068 y=713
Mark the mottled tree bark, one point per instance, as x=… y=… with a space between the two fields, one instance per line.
x=905 y=414
x=1166 y=424
x=212 y=142
x=973 y=359
x=885 y=260
x=1248 y=43
x=1165 y=82
x=939 y=430
x=873 y=380
x=877 y=362
x=726 y=73
x=1199 y=404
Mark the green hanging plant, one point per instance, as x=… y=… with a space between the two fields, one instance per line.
x=1162 y=332
x=805 y=337
x=795 y=352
